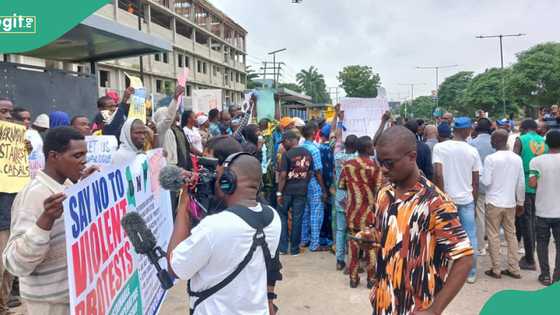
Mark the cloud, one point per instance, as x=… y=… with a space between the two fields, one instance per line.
x=391 y=36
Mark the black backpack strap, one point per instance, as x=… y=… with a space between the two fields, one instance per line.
x=258 y=221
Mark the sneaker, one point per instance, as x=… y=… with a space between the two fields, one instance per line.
x=295 y=254
x=283 y=252
x=471 y=279
x=525 y=265
x=544 y=280
x=354 y=283
x=340 y=265
x=14 y=301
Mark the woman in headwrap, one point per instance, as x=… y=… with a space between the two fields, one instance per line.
x=133 y=136
x=58 y=118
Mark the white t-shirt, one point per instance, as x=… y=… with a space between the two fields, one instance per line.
x=459 y=160
x=548 y=184
x=504 y=179
x=215 y=248
x=195 y=139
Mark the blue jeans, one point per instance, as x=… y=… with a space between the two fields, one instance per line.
x=297 y=204
x=340 y=235
x=466 y=216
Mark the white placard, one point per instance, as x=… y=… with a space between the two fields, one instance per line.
x=203 y=100
x=362 y=116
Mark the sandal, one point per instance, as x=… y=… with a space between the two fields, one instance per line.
x=491 y=273
x=511 y=274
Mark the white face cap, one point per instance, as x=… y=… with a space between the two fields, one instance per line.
x=42 y=121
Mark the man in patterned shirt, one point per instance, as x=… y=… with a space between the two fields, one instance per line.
x=419 y=233
x=361 y=178
x=316 y=195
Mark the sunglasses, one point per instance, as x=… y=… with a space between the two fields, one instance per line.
x=389 y=164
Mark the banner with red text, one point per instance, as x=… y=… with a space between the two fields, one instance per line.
x=105 y=274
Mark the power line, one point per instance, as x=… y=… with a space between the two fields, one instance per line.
x=436 y=68
x=501 y=36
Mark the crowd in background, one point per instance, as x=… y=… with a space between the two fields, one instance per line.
x=499 y=177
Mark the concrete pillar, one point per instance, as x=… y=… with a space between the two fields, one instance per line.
x=174 y=28
x=115 y=10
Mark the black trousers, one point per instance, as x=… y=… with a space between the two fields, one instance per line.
x=527 y=226
x=544 y=227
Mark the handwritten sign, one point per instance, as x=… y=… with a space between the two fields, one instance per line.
x=203 y=100
x=14 y=163
x=137 y=109
x=135 y=82
x=100 y=150
x=105 y=275
x=362 y=116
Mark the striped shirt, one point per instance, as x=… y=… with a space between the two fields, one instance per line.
x=37 y=256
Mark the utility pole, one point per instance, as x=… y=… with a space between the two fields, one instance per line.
x=501 y=36
x=411 y=95
x=436 y=68
x=273 y=53
x=335 y=92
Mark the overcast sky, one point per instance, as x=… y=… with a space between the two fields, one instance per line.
x=391 y=36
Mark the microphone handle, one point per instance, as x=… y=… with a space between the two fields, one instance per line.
x=163 y=275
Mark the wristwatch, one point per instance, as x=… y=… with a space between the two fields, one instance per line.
x=278 y=194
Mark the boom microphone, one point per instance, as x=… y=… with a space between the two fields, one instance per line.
x=144 y=243
x=171 y=178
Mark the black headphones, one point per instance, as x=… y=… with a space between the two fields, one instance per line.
x=228 y=180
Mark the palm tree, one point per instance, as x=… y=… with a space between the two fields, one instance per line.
x=313 y=83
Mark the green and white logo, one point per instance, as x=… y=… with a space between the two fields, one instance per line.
x=18 y=24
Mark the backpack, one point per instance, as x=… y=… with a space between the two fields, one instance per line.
x=257 y=220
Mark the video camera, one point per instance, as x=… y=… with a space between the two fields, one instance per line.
x=204 y=190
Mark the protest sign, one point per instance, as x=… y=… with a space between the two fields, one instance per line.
x=135 y=82
x=105 y=275
x=182 y=81
x=14 y=163
x=137 y=108
x=203 y=100
x=362 y=116
x=101 y=149
x=265 y=104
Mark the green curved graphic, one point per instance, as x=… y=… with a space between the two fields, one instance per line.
x=512 y=302
x=29 y=24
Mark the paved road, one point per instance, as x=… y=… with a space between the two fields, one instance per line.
x=312 y=286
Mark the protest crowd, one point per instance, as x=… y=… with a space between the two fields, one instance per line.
x=405 y=211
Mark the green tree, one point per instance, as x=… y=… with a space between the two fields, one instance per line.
x=452 y=90
x=313 y=84
x=359 y=81
x=251 y=76
x=420 y=107
x=485 y=92
x=291 y=86
x=536 y=75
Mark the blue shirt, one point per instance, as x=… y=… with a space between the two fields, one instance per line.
x=483 y=145
x=310 y=146
x=214 y=129
x=327 y=160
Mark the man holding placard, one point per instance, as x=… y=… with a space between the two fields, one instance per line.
x=36 y=250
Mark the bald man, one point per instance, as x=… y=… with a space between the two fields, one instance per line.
x=430 y=136
x=220 y=243
x=504 y=180
x=418 y=229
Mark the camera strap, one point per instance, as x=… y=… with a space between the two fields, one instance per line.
x=257 y=220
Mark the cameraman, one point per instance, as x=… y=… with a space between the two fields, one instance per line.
x=215 y=249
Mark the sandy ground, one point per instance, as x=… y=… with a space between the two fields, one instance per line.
x=312 y=286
